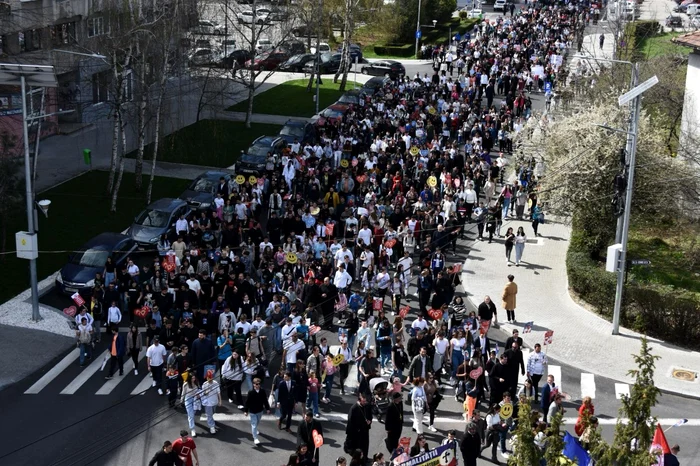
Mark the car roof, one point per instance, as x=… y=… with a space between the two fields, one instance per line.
x=353 y=92
x=393 y=62
x=167 y=204
x=104 y=241
x=375 y=81
x=213 y=175
x=339 y=106
x=299 y=123
x=266 y=140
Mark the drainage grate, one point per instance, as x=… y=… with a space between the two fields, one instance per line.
x=684 y=374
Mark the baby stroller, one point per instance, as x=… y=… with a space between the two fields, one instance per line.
x=380 y=396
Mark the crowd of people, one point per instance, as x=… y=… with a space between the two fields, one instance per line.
x=342 y=234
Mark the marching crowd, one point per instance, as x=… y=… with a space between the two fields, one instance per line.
x=335 y=235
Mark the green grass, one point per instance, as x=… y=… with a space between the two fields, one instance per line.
x=368 y=52
x=674 y=254
x=661 y=44
x=291 y=98
x=79 y=210
x=213 y=143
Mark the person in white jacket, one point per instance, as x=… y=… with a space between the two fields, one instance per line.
x=114 y=315
x=288 y=173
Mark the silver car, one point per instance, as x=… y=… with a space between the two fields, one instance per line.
x=156 y=220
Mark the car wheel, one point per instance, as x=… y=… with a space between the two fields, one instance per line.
x=364 y=70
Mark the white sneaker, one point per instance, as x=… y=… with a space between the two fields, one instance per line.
x=432 y=429
x=153 y=384
x=505 y=454
x=194 y=433
x=267 y=373
x=317 y=416
x=212 y=430
x=167 y=392
x=230 y=400
x=240 y=406
x=160 y=391
x=256 y=441
x=136 y=372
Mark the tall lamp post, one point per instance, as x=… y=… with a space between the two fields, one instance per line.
x=27 y=245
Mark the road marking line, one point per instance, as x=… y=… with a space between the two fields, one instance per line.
x=47 y=378
x=622 y=389
x=587 y=385
x=85 y=375
x=339 y=417
x=144 y=385
x=110 y=385
x=556 y=372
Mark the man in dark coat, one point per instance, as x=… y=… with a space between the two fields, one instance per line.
x=498 y=378
x=359 y=424
x=285 y=401
x=305 y=434
x=393 y=424
x=470 y=445
x=329 y=293
x=203 y=353
x=515 y=360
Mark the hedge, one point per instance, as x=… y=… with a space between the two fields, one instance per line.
x=659 y=311
x=397 y=50
x=632 y=36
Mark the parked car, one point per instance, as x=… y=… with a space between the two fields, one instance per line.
x=301 y=130
x=263 y=44
x=352 y=97
x=328 y=64
x=201 y=193
x=157 y=219
x=323 y=47
x=254 y=159
x=208 y=27
x=475 y=13
x=695 y=22
x=278 y=15
x=373 y=85
x=293 y=47
x=260 y=16
x=235 y=59
x=500 y=5
x=332 y=114
x=355 y=52
x=204 y=57
x=674 y=21
x=304 y=32
x=296 y=63
x=268 y=61
x=389 y=68
x=78 y=275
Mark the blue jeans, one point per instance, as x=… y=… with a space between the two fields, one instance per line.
x=210 y=416
x=109 y=278
x=189 y=406
x=329 y=385
x=457 y=360
x=519 y=248
x=397 y=373
x=277 y=337
x=248 y=382
x=506 y=204
x=351 y=341
x=85 y=351
x=254 y=421
x=313 y=401
x=384 y=355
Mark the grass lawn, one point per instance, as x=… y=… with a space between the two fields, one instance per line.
x=661 y=45
x=79 y=210
x=291 y=98
x=213 y=143
x=674 y=253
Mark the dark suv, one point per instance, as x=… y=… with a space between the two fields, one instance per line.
x=300 y=130
x=254 y=159
x=389 y=68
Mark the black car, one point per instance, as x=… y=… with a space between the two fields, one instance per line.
x=352 y=97
x=330 y=63
x=674 y=21
x=355 y=52
x=389 y=68
x=156 y=220
x=301 y=130
x=374 y=84
x=254 y=159
x=293 y=47
x=297 y=62
x=236 y=59
x=201 y=193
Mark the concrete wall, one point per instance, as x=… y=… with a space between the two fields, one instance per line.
x=690 y=123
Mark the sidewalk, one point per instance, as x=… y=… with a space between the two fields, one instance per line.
x=581 y=338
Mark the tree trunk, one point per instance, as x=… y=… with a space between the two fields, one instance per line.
x=251 y=97
x=200 y=104
x=117 y=184
x=115 y=153
x=156 y=137
x=345 y=63
x=138 y=170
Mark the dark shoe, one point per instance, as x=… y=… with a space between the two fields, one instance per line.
x=279 y=424
x=109 y=377
x=121 y=374
x=288 y=430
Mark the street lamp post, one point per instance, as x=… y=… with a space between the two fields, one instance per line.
x=23 y=76
x=418 y=28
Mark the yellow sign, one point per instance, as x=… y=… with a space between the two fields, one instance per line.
x=291 y=258
x=338 y=359
x=432 y=111
x=344 y=163
x=252 y=179
x=185 y=376
x=415 y=150
x=507 y=410
x=240 y=179
x=432 y=181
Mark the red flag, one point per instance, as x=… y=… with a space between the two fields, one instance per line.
x=659 y=445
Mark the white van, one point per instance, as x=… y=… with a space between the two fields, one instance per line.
x=693 y=9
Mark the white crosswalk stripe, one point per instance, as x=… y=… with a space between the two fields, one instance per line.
x=622 y=389
x=110 y=385
x=587 y=385
x=47 y=378
x=144 y=385
x=85 y=375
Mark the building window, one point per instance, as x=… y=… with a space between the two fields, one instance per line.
x=128 y=86
x=100 y=86
x=29 y=40
x=96 y=27
x=64 y=34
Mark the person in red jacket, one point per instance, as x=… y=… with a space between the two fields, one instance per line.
x=584 y=413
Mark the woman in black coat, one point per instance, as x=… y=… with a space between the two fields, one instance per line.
x=470 y=445
x=420 y=447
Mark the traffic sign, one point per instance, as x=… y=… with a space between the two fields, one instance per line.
x=418 y=34
x=547 y=87
x=651 y=82
x=640 y=262
x=458 y=37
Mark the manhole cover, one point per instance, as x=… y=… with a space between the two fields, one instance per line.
x=683 y=374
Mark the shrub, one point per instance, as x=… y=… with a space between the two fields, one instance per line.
x=396 y=50
x=463 y=15
x=632 y=37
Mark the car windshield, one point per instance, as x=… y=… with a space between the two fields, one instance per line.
x=294 y=131
x=252 y=158
x=202 y=185
x=153 y=218
x=349 y=98
x=90 y=258
x=259 y=149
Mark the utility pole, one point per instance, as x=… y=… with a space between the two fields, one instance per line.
x=418 y=28
x=631 y=140
x=318 y=52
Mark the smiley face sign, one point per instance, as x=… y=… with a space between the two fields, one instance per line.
x=344 y=163
x=432 y=181
x=252 y=179
x=338 y=359
x=507 y=410
x=240 y=179
x=432 y=111
x=476 y=373
x=414 y=150
x=291 y=258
